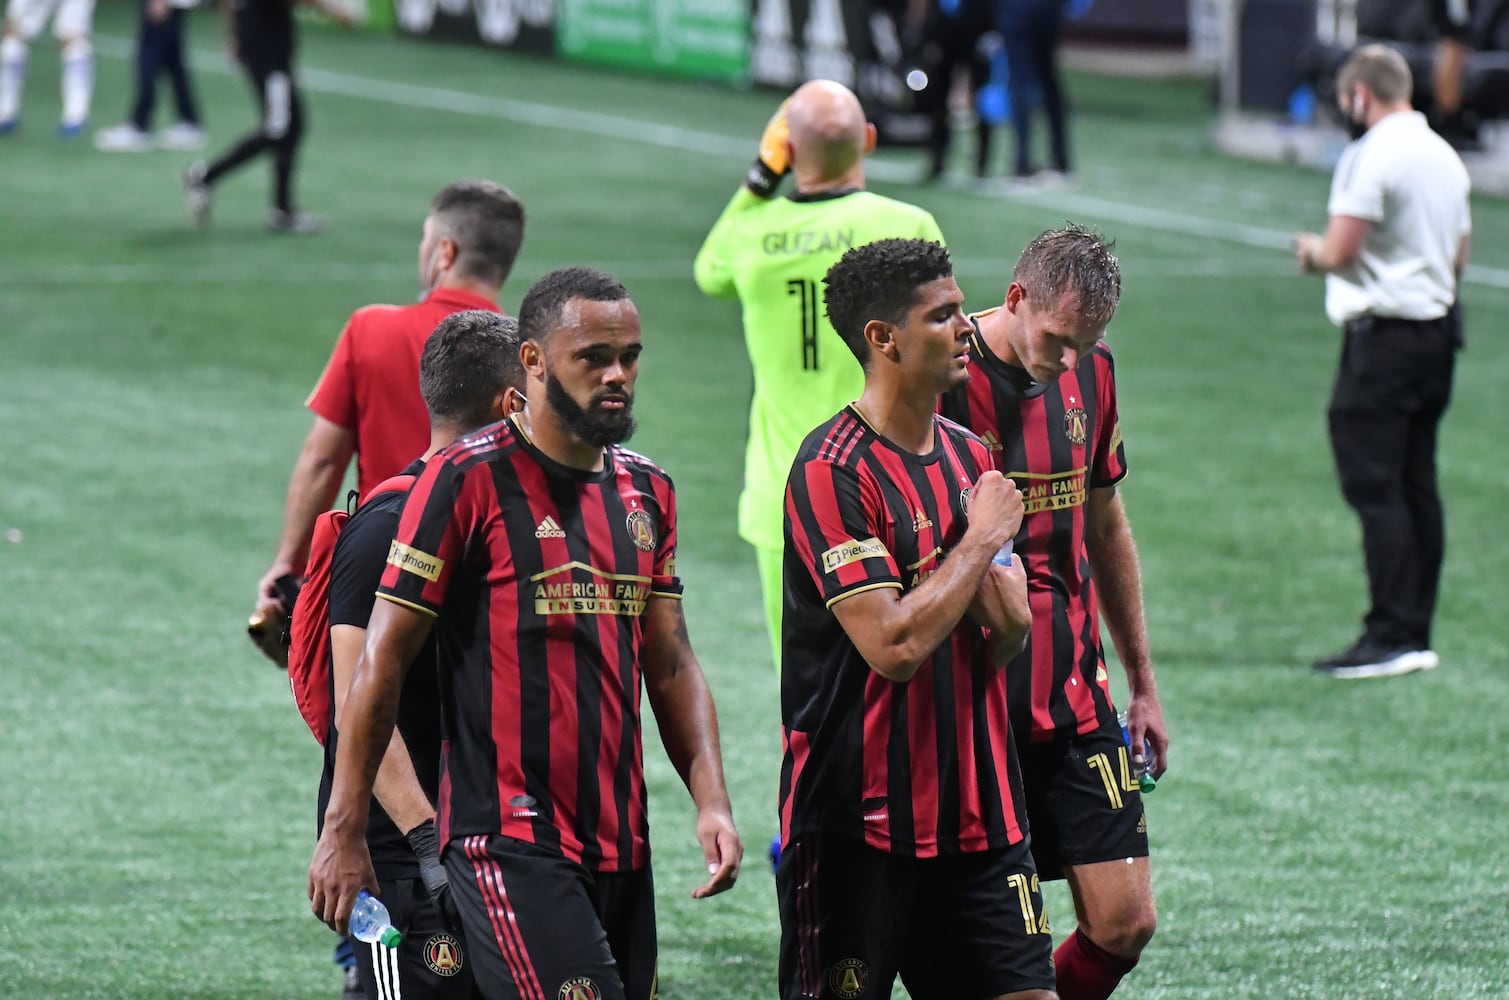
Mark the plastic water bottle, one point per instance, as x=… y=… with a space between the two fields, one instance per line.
x=1003 y=554
x=1145 y=780
x=370 y=922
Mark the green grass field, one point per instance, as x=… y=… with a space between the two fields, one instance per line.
x=1314 y=839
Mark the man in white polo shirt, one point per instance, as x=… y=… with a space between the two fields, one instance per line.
x=1392 y=252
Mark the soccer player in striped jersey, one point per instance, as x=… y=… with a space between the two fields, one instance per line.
x=1042 y=395
x=543 y=556
x=904 y=829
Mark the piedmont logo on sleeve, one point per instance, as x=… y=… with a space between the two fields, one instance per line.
x=411 y=560
x=852 y=551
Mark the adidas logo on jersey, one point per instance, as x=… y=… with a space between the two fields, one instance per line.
x=549 y=529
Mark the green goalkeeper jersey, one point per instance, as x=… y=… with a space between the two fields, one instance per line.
x=772 y=256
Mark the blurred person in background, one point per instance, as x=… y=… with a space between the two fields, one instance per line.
x=72 y=25
x=771 y=254
x=368 y=401
x=159 y=49
x=950 y=37
x=1453 y=22
x=262 y=40
x=1392 y=253
x=1033 y=30
x=1042 y=395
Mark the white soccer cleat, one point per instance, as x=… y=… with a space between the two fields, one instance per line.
x=126 y=138
x=196 y=194
x=182 y=136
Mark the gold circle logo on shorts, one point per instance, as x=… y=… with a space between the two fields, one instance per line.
x=848 y=978
x=580 y=988
x=442 y=955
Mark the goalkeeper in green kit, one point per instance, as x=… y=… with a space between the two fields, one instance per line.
x=771 y=254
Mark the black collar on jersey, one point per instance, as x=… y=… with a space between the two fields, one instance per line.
x=906 y=456
x=560 y=468
x=1016 y=378
x=811 y=196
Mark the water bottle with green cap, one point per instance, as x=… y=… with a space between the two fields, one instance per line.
x=370 y=922
x=1145 y=780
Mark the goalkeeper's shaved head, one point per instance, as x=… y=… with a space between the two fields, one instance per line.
x=828 y=132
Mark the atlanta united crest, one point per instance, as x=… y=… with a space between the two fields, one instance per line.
x=848 y=978
x=1076 y=425
x=442 y=955
x=641 y=530
x=580 y=988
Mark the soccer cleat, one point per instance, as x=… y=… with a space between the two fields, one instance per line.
x=9 y=126
x=126 y=138
x=70 y=130
x=352 y=989
x=196 y=194
x=298 y=223
x=1366 y=658
x=182 y=136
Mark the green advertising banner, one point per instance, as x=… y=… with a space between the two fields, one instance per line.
x=699 y=38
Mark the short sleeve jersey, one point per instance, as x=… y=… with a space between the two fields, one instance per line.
x=539 y=575
x=1056 y=441
x=773 y=255
x=1411 y=185
x=356 y=569
x=917 y=768
x=370 y=386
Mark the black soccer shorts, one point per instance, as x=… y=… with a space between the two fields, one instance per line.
x=1083 y=802
x=431 y=963
x=542 y=927
x=854 y=918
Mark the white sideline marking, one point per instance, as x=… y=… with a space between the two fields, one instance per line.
x=731 y=147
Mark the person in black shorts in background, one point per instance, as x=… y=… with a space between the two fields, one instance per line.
x=263 y=41
x=470 y=376
x=542 y=556
x=904 y=832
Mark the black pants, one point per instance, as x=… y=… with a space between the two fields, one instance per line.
x=951 y=42
x=280 y=132
x=1393 y=386
x=159 y=49
x=1032 y=29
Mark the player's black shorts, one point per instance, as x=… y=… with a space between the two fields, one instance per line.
x=541 y=926
x=1083 y=803
x=432 y=962
x=854 y=918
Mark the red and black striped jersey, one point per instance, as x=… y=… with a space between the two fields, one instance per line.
x=539 y=574
x=1057 y=441
x=919 y=768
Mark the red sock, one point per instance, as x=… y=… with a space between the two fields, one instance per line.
x=1086 y=971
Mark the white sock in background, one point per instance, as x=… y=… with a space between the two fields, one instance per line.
x=12 y=75
x=78 y=80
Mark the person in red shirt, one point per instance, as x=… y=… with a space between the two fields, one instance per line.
x=367 y=402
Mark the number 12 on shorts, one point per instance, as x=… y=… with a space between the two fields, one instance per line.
x=1028 y=892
